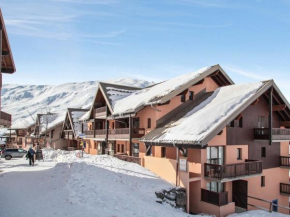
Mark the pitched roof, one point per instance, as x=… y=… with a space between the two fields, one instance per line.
x=123 y=100
x=205 y=120
x=8 y=65
x=73 y=115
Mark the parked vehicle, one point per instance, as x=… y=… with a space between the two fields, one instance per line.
x=13 y=153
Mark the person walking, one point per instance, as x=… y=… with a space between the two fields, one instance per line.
x=30 y=155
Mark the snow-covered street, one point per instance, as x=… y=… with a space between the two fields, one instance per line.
x=64 y=185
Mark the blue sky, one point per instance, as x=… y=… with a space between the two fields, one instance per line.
x=59 y=41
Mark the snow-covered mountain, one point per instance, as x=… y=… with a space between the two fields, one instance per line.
x=25 y=101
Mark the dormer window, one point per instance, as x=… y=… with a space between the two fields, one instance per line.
x=182 y=98
x=190 y=95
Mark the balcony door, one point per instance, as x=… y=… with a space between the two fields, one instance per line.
x=215 y=155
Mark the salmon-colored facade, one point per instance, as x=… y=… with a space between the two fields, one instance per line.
x=233 y=159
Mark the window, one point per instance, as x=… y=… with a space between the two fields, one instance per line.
x=136 y=122
x=95 y=145
x=262 y=122
x=239 y=154
x=135 y=151
x=232 y=124
x=163 y=151
x=215 y=155
x=263 y=152
x=215 y=186
x=113 y=125
x=149 y=123
x=51 y=134
x=122 y=148
x=263 y=181
x=182 y=98
x=148 y=150
x=241 y=122
x=190 y=95
x=118 y=148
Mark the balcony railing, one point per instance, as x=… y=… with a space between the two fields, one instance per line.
x=100 y=132
x=127 y=158
x=277 y=134
x=218 y=199
x=232 y=171
x=5 y=119
x=119 y=131
x=284 y=161
x=89 y=133
x=102 y=111
x=285 y=188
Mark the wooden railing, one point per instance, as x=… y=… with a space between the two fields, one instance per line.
x=218 y=199
x=89 y=133
x=101 y=132
x=232 y=171
x=119 y=131
x=284 y=188
x=138 y=131
x=277 y=134
x=127 y=158
x=100 y=111
x=284 y=161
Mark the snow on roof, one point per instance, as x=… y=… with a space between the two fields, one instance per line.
x=76 y=115
x=48 y=121
x=123 y=102
x=199 y=122
x=85 y=116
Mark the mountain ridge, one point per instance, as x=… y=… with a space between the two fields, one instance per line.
x=23 y=102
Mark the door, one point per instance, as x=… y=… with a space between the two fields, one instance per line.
x=275 y=208
x=240 y=193
x=103 y=147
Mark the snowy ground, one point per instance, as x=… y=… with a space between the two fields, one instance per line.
x=64 y=185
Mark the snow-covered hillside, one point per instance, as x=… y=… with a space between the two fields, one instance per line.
x=24 y=101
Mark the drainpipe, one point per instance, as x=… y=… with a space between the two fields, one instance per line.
x=177 y=163
x=130 y=135
x=270 y=114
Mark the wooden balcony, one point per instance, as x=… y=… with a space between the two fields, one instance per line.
x=285 y=162
x=5 y=119
x=229 y=172
x=100 y=112
x=89 y=133
x=218 y=199
x=69 y=135
x=127 y=158
x=277 y=134
x=285 y=189
x=123 y=133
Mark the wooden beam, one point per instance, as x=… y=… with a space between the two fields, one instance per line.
x=214 y=74
x=270 y=114
x=279 y=108
x=285 y=123
x=5 y=53
x=4 y=70
x=256 y=101
x=200 y=82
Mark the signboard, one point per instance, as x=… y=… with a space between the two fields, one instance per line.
x=183 y=164
x=39 y=155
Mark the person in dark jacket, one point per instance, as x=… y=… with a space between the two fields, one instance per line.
x=30 y=155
